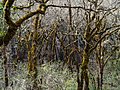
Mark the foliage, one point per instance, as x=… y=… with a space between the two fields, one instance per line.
x=1 y=7
x=82 y=38
x=2 y=34
x=56 y=77
x=112 y=75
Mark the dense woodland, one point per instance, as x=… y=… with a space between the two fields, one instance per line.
x=59 y=44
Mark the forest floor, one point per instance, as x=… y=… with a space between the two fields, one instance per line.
x=55 y=76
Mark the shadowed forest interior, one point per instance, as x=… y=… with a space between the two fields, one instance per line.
x=59 y=45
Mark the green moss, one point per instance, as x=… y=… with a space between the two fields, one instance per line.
x=1 y=6
x=71 y=84
x=2 y=33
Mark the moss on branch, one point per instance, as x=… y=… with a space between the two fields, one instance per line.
x=12 y=26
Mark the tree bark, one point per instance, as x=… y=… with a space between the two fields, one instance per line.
x=12 y=27
x=5 y=67
x=84 y=71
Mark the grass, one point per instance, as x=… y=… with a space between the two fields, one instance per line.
x=55 y=76
x=112 y=75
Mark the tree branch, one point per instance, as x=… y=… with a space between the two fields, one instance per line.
x=21 y=20
x=107 y=34
x=7 y=12
x=12 y=27
x=22 y=7
x=69 y=7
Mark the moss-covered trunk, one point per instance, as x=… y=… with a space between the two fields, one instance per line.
x=32 y=54
x=84 y=69
x=13 y=26
x=5 y=67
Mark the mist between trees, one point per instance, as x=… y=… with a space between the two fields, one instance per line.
x=79 y=36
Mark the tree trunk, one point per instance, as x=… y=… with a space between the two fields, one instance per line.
x=101 y=78
x=5 y=67
x=84 y=71
x=78 y=79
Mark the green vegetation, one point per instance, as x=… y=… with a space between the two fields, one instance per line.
x=56 y=77
x=54 y=45
x=1 y=6
x=2 y=34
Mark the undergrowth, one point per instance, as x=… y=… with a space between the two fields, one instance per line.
x=56 y=76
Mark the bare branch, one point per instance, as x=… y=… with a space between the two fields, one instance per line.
x=70 y=7
x=106 y=34
x=111 y=53
x=41 y=1
x=23 y=7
